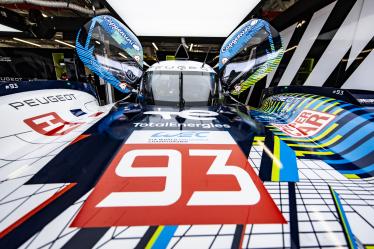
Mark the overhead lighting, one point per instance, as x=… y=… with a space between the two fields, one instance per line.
x=300 y=24
x=4 y=28
x=154 y=45
x=97 y=42
x=208 y=18
x=124 y=56
x=27 y=42
x=64 y=43
x=44 y=15
x=292 y=48
x=191 y=46
x=358 y=58
x=367 y=51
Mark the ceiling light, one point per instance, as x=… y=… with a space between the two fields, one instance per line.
x=208 y=18
x=191 y=46
x=4 y=28
x=154 y=45
x=27 y=42
x=124 y=56
x=65 y=43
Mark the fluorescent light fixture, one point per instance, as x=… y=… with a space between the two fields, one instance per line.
x=194 y=18
x=191 y=47
x=64 y=43
x=4 y=28
x=122 y=55
x=154 y=45
x=27 y=42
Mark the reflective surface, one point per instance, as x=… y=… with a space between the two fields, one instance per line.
x=164 y=86
x=72 y=166
x=110 y=50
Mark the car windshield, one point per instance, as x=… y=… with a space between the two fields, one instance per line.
x=162 y=87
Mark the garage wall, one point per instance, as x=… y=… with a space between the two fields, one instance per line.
x=331 y=47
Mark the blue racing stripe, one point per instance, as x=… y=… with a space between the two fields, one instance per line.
x=165 y=237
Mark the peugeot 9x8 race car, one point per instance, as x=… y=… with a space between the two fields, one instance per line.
x=180 y=162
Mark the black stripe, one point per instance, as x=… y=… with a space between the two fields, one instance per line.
x=340 y=75
x=146 y=238
x=85 y=238
x=237 y=237
x=294 y=41
x=294 y=226
x=331 y=26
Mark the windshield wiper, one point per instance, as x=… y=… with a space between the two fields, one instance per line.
x=181 y=100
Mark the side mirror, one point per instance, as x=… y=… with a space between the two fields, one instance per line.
x=251 y=52
x=110 y=50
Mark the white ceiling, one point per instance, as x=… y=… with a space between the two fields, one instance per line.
x=198 y=18
x=4 y=28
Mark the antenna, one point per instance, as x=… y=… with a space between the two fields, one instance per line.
x=206 y=57
x=181 y=53
x=156 y=57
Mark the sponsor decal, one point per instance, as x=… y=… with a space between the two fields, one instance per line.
x=11 y=86
x=187 y=114
x=307 y=124
x=114 y=26
x=238 y=36
x=51 y=124
x=123 y=86
x=10 y=79
x=366 y=101
x=185 y=137
x=178 y=137
x=238 y=88
x=173 y=184
x=181 y=68
x=42 y=100
x=175 y=124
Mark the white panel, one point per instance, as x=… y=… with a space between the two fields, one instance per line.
x=4 y=28
x=337 y=48
x=362 y=78
x=207 y=18
x=311 y=33
x=286 y=37
x=20 y=210
x=360 y=228
x=180 y=137
x=364 y=30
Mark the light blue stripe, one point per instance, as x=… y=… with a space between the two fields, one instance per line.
x=367 y=169
x=164 y=237
x=288 y=172
x=345 y=220
x=352 y=139
x=360 y=152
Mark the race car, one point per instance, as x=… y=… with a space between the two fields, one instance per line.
x=184 y=165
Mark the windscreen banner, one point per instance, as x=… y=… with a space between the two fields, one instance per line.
x=112 y=51
x=249 y=54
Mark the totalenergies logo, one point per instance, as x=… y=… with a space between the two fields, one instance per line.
x=114 y=26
